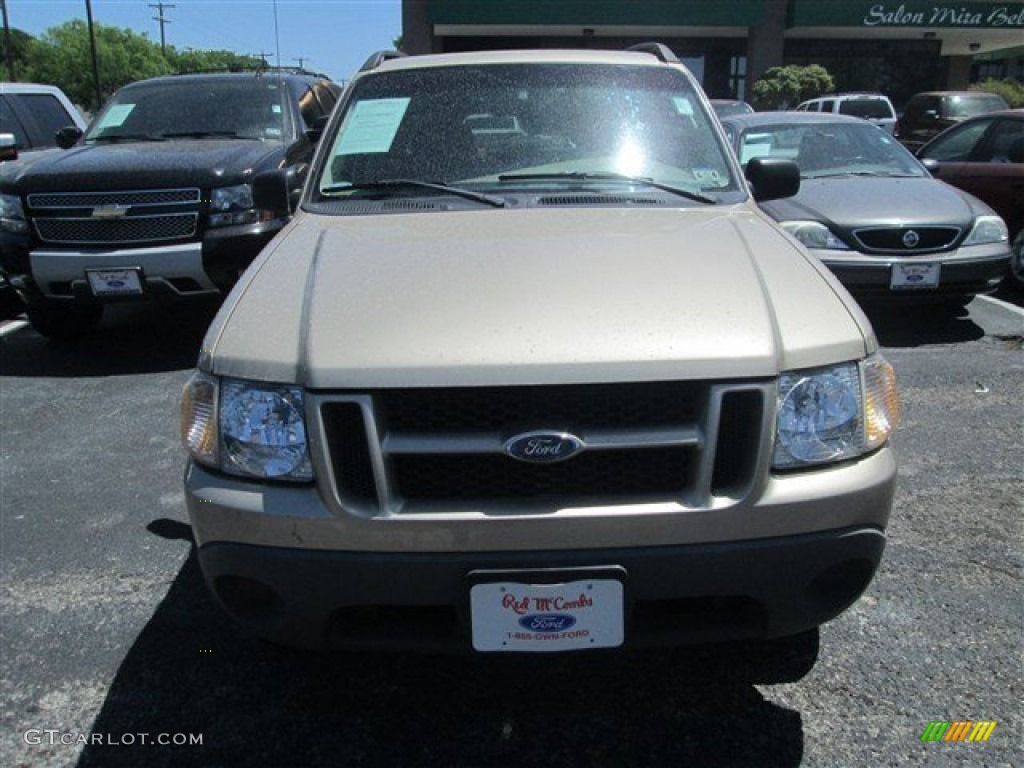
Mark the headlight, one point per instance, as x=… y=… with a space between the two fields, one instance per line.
x=814 y=234
x=232 y=205
x=247 y=429
x=988 y=229
x=12 y=215
x=836 y=413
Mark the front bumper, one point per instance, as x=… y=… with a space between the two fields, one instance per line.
x=182 y=271
x=420 y=602
x=959 y=275
x=294 y=569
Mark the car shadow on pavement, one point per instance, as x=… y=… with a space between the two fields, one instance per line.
x=917 y=325
x=131 y=339
x=191 y=672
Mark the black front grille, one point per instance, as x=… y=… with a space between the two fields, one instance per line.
x=611 y=406
x=907 y=239
x=132 y=229
x=95 y=199
x=350 y=451
x=660 y=472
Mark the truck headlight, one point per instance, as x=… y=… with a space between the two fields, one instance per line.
x=12 y=215
x=988 y=229
x=836 y=413
x=232 y=205
x=814 y=234
x=246 y=428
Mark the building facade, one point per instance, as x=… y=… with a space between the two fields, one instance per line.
x=898 y=48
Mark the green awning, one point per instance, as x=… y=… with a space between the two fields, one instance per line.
x=870 y=14
x=596 y=13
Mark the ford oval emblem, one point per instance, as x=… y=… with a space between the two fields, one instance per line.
x=911 y=239
x=547 y=622
x=543 y=447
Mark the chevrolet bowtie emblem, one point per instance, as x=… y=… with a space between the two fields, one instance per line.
x=110 y=211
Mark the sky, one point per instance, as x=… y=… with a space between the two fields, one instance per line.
x=331 y=36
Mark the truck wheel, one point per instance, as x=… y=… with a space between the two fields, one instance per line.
x=64 y=322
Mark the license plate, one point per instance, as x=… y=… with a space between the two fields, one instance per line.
x=115 y=282
x=909 y=277
x=574 y=615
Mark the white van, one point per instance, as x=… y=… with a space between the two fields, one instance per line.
x=871 y=106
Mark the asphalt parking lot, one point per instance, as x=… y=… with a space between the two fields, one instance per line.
x=114 y=654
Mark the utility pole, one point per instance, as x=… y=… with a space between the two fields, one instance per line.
x=301 y=59
x=263 y=59
x=95 y=63
x=160 y=18
x=8 y=53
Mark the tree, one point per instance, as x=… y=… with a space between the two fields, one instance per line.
x=783 y=87
x=24 y=53
x=122 y=55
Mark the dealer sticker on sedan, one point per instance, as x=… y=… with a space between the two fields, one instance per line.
x=914 y=276
x=509 y=616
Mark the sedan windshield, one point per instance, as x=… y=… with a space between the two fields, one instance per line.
x=830 y=149
x=243 y=107
x=511 y=127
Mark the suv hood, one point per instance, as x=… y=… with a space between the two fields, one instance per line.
x=142 y=165
x=535 y=296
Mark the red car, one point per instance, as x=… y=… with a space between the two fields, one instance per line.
x=984 y=155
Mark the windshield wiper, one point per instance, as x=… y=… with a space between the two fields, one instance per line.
x=115 y=137
x=877 y=174
x=479 y=197
x=203 y=135
x=604 y=176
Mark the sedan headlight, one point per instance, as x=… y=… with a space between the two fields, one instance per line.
x=232 y=205
x=12 y=215
x=814 y=234
x=836 y=413
x=988 y=229
x=246 y=428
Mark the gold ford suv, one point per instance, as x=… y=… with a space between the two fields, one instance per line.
x=529 y=371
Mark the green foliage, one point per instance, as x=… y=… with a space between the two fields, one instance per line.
x=1010 y=89
x=62 y=57
x=784 y=87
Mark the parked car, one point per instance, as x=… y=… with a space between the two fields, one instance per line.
x=873 y=107
x=930 y=113
x=564 y=391
x=872 y=213
x=155 y=200
x=725 y=107
x=984 y=155
x=30 y=117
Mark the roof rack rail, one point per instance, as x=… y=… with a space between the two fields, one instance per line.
x=662 y=51
x=255 y=69
x=379 y=58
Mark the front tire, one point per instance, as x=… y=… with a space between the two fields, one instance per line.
x=64 y=322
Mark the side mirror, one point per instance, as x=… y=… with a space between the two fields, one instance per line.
x=68 y=137
x=8 y=147
x=314 y=133
x=270 y=191
x=773 y=178
x=931 y=165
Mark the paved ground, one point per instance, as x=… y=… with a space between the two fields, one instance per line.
x=108 y=633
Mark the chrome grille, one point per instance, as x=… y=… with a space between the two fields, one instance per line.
x=42 y=201
x=119 y=217
x=895 y=239
x=134 y=229
x=405 y=451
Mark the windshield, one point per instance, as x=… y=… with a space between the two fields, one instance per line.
x=971 y=104
x=244 y=107
x=503 y=127
x=831 y=149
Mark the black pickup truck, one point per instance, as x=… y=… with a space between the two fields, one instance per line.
x=154 y=200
